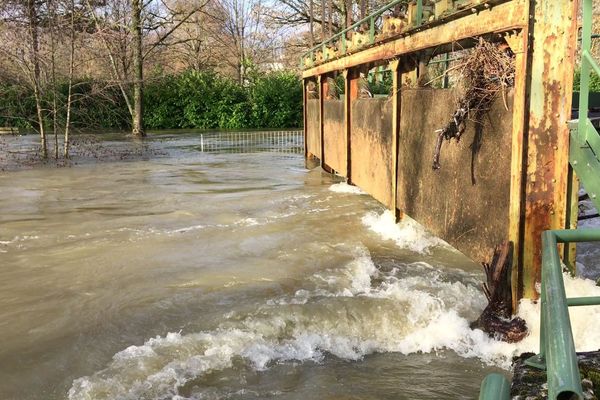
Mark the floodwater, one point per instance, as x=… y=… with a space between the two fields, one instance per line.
x=195 y=275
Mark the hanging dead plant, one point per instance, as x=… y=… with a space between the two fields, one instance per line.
x=484 y=74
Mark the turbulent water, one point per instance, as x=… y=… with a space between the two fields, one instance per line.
x=192 y=275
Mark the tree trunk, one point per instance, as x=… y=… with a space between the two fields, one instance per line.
x=52 y=11
x=348 y=13
x=330 y=14
x=323 y=19
x=138 y=70
x=311 y=11
x=33 y=32
x=71 y=68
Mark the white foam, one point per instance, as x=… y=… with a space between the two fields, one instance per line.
x=186 y=229
x=343 y=187
x=349 y=312
x=407 y=234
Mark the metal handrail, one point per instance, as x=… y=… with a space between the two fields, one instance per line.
x=495 y=387
x=585 y=139
x=557 y=348
x=369 y=18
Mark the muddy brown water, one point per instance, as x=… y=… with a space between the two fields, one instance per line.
x=194 y=275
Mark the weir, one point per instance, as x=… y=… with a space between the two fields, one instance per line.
x=508 y=179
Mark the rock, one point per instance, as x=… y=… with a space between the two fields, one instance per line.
x=529 y=383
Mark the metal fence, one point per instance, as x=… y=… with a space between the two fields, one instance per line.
x=291 y=142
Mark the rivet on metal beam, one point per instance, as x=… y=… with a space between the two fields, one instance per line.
x=574 y=162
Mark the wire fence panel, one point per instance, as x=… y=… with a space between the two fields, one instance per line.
x=291 y=142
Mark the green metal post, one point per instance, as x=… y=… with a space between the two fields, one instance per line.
x=495 y=387
x=372 y=30
x=419 y=12
x=446 y=81
x=584 y=83
x=564 y=381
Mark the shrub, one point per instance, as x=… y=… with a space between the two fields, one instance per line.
x=276 y=101
x=594 y=81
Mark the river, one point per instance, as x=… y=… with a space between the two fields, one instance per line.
x=183 y=274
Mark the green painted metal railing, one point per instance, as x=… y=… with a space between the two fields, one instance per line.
x=495 y=387
x=585 y=140
x=370 y=19
x=557 y=349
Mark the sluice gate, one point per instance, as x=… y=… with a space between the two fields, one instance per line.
x=508 y=178
x=514 y=176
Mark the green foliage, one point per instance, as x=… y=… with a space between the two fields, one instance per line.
x=594 y=81
x=382 y=86
x=276 y=101
x=205 y=100
x=17 y=106
x=192 y=99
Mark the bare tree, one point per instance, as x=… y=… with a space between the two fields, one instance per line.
x=33 y=23
x=70 y=78
x=132 y=30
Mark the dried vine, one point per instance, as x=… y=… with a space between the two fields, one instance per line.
x=484 y=74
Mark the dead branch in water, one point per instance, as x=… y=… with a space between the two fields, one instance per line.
x=497 y=319
x=486 y=72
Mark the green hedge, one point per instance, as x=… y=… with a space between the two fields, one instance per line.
x=207 y=101
x=192 y=99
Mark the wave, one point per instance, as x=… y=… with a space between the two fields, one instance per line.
x=347 y=312
x=343 y=187
x=408 y=234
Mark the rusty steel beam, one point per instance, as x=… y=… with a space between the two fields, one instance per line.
x=500 y=18
x=350 y=94
x=305 y=116
x=396 y=98
x=324 y=89
x=553 y=33
x=518 y=43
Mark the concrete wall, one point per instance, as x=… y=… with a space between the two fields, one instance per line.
x=466 y=202
x=313 y=128
x=334 y=136
x=372 y=152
